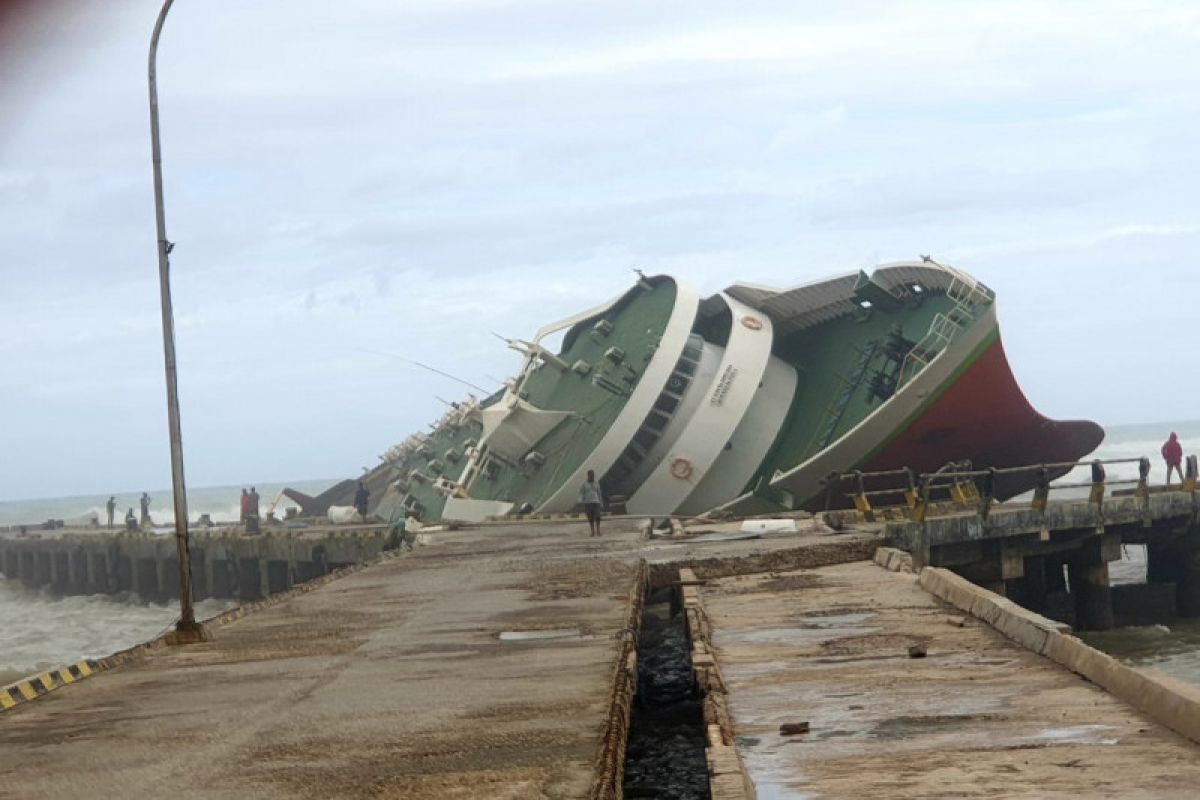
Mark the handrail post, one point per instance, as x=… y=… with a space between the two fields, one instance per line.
x=1143 y=486
x=861 y=501
x=1041 y=499
x=921 y=508
x=1041 y=490
x=1143 y=490
x=833 y=485
x=989 y=493
x=910 y=495
x=1096 y=496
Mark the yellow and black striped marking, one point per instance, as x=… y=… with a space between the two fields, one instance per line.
x=32 y=688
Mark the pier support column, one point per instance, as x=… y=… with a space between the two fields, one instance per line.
x=60 y=571
x=1090 y=590
x=43 y=575
x=1056 y=578
x=79 y=568
x=250 y=579
x=98 y=580
x=1187 y=583
x=1030 y=589
x=1162 y=562
x=199 y=567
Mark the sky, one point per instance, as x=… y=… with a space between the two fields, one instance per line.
x=351 y=184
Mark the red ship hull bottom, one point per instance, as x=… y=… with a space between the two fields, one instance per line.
x=985 y=417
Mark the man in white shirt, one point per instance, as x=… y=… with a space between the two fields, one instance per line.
x=592 y=498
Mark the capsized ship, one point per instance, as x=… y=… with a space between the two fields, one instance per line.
x=743 y=400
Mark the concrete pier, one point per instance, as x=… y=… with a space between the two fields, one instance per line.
x=1020 y=551
x=225 y=564
x=828 y=650
x=492 y=662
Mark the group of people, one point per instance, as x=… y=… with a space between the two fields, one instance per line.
x=132 y=522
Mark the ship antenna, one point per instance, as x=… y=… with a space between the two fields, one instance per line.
x=431 y=369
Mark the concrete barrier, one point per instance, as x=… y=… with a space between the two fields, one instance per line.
x=1166 y=700
x=28 y=689
x=608 y=782
x=727 y=775
x=892 y=559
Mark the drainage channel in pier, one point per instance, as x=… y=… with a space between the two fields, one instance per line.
x=665 y=754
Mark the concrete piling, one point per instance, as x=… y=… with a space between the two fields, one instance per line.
x=1088 y=578
x=1160 y=562
x=224 y=564
x=1187 y=583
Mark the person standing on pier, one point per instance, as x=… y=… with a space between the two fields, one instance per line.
x=361 y=496
x=111 y=508
x=145 y=503
x=592 y=497
x=254 y=498
x=245 y=506
x=1172 y=453
x=130 y=520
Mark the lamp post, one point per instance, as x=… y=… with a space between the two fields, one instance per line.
x=186 y=630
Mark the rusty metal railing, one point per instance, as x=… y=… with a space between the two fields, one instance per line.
x=963 y=486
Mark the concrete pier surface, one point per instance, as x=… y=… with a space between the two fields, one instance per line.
x=976 y=716
x=394 y=681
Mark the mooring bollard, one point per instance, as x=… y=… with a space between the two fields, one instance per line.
x=1189 y=475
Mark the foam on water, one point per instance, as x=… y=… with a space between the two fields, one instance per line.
x=42 y=631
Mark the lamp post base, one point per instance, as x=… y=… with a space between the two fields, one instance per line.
x=192 y=633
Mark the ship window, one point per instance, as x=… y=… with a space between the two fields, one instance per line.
x=686 y=367
x=666 y=403
x=645 y=437
x=657 y=420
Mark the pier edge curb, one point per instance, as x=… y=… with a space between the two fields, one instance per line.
x=1167 y=700
x=609 y=770
x=728 y=778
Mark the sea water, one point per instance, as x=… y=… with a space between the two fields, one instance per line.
x=40 y=630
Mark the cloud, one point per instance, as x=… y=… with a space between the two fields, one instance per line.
x=407 y=178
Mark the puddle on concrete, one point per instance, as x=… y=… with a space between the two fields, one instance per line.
x=779 y=791
x=542 y=635
x=899 y=727
x=665 y=755
x=1079 y=734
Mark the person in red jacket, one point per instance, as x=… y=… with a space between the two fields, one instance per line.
x=1172 y=452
